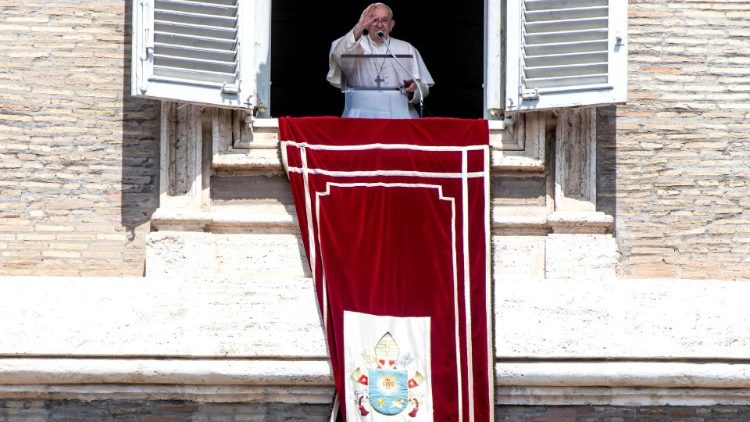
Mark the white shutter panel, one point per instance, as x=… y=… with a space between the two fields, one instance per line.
x=197 y=51
x=565 y=53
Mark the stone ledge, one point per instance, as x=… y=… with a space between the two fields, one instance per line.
x=200 y=393
x=173 y=318
x=246 y=218
x=623 y=319
x=580 y=222
x=317 y=372
x=604 y=396
x=506 y=162
x=210 y=372
x=525 y=222
x=272 y=316
x=507 y=220
x=520 y=396
x=264 y=159
x=623 y=374
x=266 y=218
x=261 y=155
x=295 y=381
x=647 y=342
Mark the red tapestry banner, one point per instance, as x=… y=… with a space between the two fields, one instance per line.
x=394 y=216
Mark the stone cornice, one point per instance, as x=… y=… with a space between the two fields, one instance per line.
x=309 y=381
x=265 y=218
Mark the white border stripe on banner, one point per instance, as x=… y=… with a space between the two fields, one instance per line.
x=311 y=236
x=488 y=288
x=456 y=313
x=384 y=146
x=467 y=280
x=457 y=319
x=284 y=157
x=324 y=279
x=370 y=173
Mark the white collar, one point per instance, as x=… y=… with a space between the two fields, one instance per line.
x=378 y=47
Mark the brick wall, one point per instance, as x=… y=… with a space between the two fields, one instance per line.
x=78 y=155
x=683 y=141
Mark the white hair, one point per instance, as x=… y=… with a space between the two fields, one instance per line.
x=386 y=7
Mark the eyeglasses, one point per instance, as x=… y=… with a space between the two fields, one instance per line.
x=382 y=20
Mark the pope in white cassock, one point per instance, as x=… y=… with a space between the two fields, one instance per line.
x=374 y=83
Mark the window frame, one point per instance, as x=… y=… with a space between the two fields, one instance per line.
x=614 y=92
x=250 y=91
x=502 y=48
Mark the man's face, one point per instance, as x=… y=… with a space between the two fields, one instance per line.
x=382 y=24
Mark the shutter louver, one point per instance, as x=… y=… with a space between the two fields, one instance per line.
x=201 y=51
x=565 y=50
x=565 y=43
x=196 y=40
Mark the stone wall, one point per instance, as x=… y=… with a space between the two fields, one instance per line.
x=622 y=414
x=184 y=411
x=78 y=155
x=682 y=154
x=156 y=411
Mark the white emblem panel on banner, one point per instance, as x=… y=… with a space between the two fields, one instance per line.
x=387 y=362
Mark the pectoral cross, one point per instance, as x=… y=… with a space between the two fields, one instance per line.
x=378 y=80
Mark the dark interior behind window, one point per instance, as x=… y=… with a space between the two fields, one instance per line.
x=449 y=36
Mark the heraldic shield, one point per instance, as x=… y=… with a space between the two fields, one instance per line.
x=392 y=380
x=389 y=391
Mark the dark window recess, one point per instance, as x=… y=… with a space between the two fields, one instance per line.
x=450 y=39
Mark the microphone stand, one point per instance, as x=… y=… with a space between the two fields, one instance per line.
x=416 y=82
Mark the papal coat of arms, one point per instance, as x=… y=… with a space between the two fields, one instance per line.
x=389 y=384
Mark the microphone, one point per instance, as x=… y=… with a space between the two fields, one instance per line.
x=419 y=88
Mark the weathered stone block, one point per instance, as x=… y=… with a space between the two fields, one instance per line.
x=517 y=257
x=171 y=253
x=580 y=256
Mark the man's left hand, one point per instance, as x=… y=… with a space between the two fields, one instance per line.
x=410 y=87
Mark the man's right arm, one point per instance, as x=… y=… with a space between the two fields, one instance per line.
x=347 y=44
x=338 y=67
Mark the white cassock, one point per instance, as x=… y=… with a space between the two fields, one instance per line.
x=376 y=80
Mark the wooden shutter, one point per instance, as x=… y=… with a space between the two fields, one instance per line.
x=198 y=51
x=565 y=53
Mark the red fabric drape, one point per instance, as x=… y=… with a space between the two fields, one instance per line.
x=395 y=222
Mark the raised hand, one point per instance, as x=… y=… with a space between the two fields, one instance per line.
x=365 y=20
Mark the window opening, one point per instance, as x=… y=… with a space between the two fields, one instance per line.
x=449 y=37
